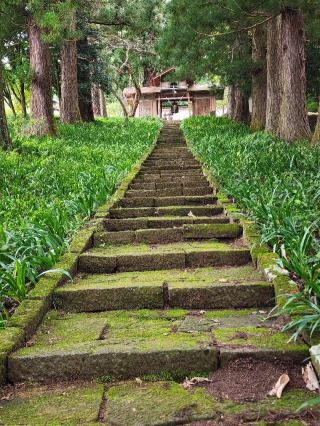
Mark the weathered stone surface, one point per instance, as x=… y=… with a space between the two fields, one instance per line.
x=28 y=316
x=168 y=403
x=117 y=344
x=141 y=257
x=66 y=404
x=205 y=288
x=221 y=296
x=208 y=231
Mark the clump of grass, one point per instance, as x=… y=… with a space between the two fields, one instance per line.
x=49 y=186
x=277 y=184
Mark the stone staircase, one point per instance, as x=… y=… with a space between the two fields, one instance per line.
x=168 y=287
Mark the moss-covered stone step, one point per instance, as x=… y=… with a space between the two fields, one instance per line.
x=124 y=344
x=170 y=235
x=124 y=213
x=169 y=192
x=167 y=182
x=204 y=288
x=64 y=404
x=113 y=258
x=197 y=200
x=160 y=222
x=120 y=344
x=166 y=402
x=171 y=162
x=159 y=173
x=157 y=400
x=171 y=166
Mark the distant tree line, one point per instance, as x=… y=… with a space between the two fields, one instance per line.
x=77 y=50
x=268 y=51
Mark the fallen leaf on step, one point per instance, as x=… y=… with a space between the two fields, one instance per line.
x=190 y=214
x=188 y=383
x=280 y=385
x=139 y=381
x=310 y=378
x=223 y=280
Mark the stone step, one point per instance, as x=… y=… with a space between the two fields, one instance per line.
x=164 y=181
x=144 y=257
x=204 y=288
x=175 y=177
x=160 y=222
x=181 y=172
x=125 y=344
x=123 y=213
x=169 y=184
x=167 y=201
x=169 y=192
x=156 y=168
x=170 y=235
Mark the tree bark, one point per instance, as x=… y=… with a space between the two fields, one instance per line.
x=8 y=99
x=5 y=140
x=274 y=90
x=41 y=89
x=316 y=135
x=259 y=78
x=69 y=105
x=103 y=105
x=84 y=82
x=23 y=99
x=96 y=101
x=240 y=112
x=293 y=118
x=231 y=101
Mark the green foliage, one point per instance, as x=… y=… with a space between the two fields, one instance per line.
x=278 y=186
x=49 y=186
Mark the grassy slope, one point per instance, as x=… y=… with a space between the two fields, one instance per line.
x=278 y=185
x=49 y=186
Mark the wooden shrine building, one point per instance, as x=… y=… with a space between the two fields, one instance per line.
x=172 y=100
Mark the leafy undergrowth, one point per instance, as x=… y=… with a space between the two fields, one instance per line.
x=278 y=186
x=49 y=186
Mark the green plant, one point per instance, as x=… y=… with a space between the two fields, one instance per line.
x=49 y=186
x=277 y=184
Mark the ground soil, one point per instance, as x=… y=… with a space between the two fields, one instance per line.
x=308 y=418
x=249 y=380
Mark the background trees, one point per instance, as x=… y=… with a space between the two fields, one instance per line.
x=258 y=49
x=264 y=51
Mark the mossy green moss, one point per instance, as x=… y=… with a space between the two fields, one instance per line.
x=83 y=240
x=139 y=330
x=168 y=403
x=258 y=337
x=59 y=405
x=111 y=250
x=28 y=316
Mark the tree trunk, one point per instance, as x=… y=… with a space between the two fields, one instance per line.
x=231 y=101
x=23 y=99
x=274 y=90
x=5 y=141
x=69 y=112
x=259 y=78
x=41 y=90
x=8 y=99
x=293 y=118
x=103 y=105
x=240 y=111
x=316 y=135
x=84 y=82
x=96 y=101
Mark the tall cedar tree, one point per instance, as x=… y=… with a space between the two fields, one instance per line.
x=5 y=140
x=69 y=104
